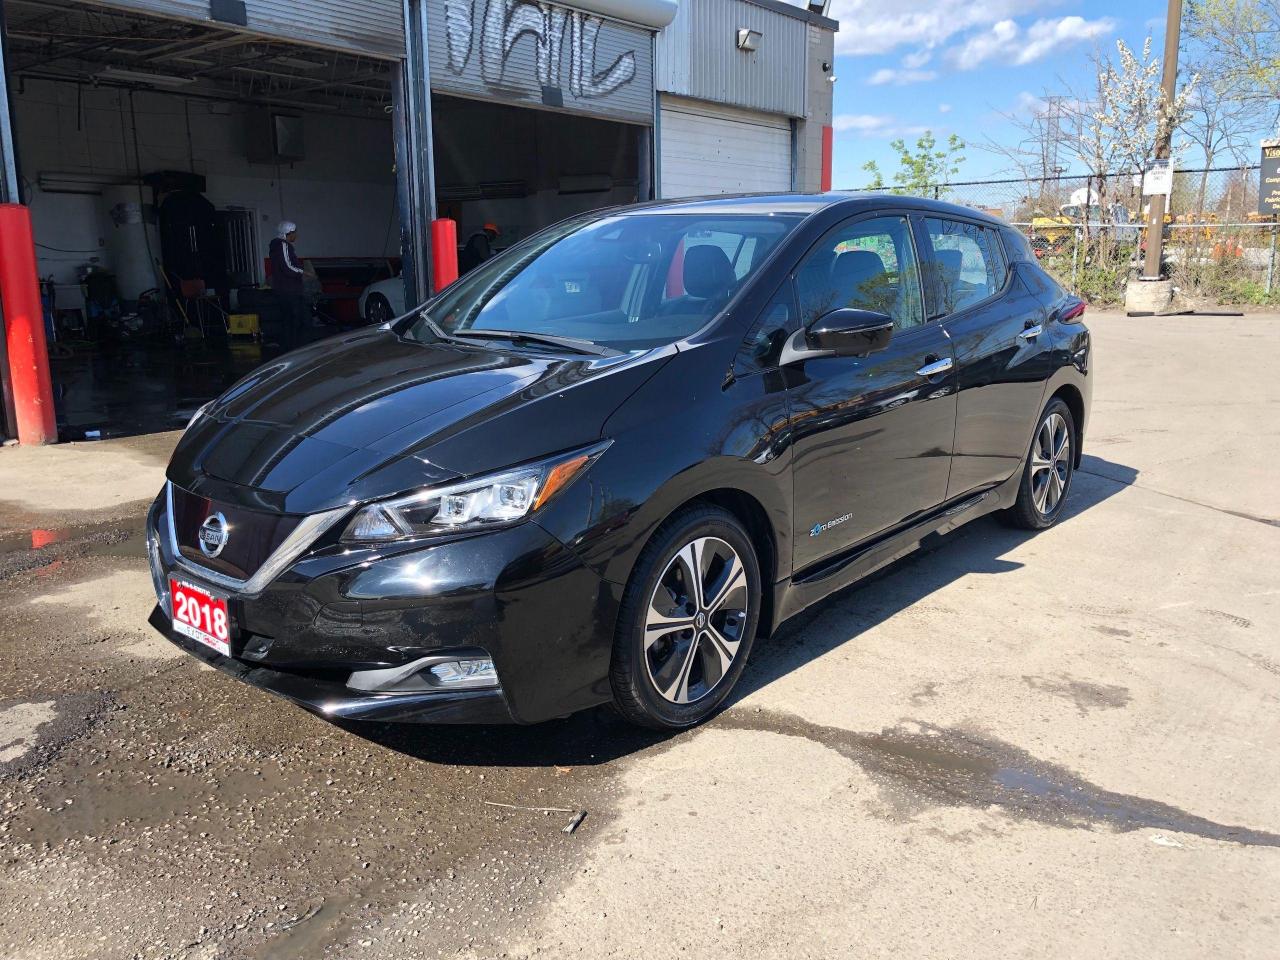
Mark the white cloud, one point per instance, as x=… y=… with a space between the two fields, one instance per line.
x=875 y=125
x=1006 y=41
x=879 y=26
x=944 y=108
x=914 y=61
x=900 y=78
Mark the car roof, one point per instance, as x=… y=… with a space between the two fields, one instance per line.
x=764 y=204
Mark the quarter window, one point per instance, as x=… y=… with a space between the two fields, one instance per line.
x=763 y=344
x=867 y=264
x=967 y=267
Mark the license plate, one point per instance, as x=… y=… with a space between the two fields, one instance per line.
x=200 y=615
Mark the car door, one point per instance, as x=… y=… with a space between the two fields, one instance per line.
x=997 y=332
x=871 y=436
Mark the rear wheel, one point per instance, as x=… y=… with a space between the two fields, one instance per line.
x=1046 y=479
x=377 y=309
x=688 y=617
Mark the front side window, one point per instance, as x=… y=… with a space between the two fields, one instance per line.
x=627 y=282
x=865 y=264
x=966 y=266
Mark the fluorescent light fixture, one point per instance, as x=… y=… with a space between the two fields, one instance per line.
x=299 y=63
x=143 y=76
x=86 y=183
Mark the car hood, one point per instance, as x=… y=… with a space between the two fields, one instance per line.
x=371 y=414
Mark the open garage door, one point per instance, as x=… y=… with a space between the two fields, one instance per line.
x=708 y=148
x=539 y=113
x=359 y=26
x=157 y=156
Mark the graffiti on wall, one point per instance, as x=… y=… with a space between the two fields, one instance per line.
x=555 y=31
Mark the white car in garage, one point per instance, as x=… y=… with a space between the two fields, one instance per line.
x=382 y=301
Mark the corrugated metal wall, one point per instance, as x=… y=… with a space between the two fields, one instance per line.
x=361 y=26
x=542 y=55
x=698 y=56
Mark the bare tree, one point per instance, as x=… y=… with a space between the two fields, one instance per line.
x=1238 y=41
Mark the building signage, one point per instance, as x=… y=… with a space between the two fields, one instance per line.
x=543 y=55
x=1269 y=179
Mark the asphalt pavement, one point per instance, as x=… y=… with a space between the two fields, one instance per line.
x=1015 y=745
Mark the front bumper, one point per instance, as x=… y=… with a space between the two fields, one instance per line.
x=335 y=700
x=517 y=595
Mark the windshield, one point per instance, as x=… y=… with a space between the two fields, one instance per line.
x=628 y=282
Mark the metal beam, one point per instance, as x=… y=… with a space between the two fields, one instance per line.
x=418 y=155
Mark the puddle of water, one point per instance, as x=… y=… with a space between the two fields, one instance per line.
x=949 y=768
x=48 y=546
x=313 y=931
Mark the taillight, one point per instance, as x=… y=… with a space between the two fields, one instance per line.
x=1074 y=312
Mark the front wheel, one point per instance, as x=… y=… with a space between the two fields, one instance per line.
x=1046 y=479
x=688 y=617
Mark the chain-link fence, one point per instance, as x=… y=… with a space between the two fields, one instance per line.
x=1089 y=232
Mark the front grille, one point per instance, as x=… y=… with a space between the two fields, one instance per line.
x=252 y=535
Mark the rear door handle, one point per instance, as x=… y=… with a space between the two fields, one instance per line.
x=1031 y=332
x=935 y=367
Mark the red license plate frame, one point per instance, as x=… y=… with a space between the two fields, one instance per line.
x=201 y=615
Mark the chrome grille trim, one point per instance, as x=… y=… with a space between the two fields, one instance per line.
x=303 y=536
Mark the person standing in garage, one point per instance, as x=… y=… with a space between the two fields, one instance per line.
x=479 y=247
x=287 y=281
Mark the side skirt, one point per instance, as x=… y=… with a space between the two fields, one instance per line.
x=818 y=582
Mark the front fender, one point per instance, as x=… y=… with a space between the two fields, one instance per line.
x=684 y=434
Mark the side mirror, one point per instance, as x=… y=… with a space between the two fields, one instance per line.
x=848 y=332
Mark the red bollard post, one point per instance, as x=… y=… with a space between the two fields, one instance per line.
x=444 y=253
x=24 y=328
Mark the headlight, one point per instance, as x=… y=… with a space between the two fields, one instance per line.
x=493 y=500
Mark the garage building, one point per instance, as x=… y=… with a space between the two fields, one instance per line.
x=158 y=143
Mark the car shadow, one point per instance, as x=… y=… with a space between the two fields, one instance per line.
x=975 y=548
x=600 y=735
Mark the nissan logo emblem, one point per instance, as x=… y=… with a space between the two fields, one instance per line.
x=214 y=534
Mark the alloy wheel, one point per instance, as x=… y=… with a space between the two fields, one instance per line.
x=1050 y=463
x=695 y=621
x=377 y=310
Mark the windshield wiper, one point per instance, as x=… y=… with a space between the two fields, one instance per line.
x=435 y=328
x=522 y=336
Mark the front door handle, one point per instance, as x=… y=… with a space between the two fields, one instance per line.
x=1031 y=332
x=935 y=367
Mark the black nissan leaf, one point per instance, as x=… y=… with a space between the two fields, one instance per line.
x=602 y=465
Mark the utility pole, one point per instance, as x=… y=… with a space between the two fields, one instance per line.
x=1164 y=139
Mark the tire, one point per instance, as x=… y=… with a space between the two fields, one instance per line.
x=676 y=657
x=377 y=309
x=1050 y=468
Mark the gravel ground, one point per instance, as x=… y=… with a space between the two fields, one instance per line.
x=1020 y=745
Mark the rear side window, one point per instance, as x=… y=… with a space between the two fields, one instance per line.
x=967 y=264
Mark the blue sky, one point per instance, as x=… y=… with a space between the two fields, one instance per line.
x=954 y=66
